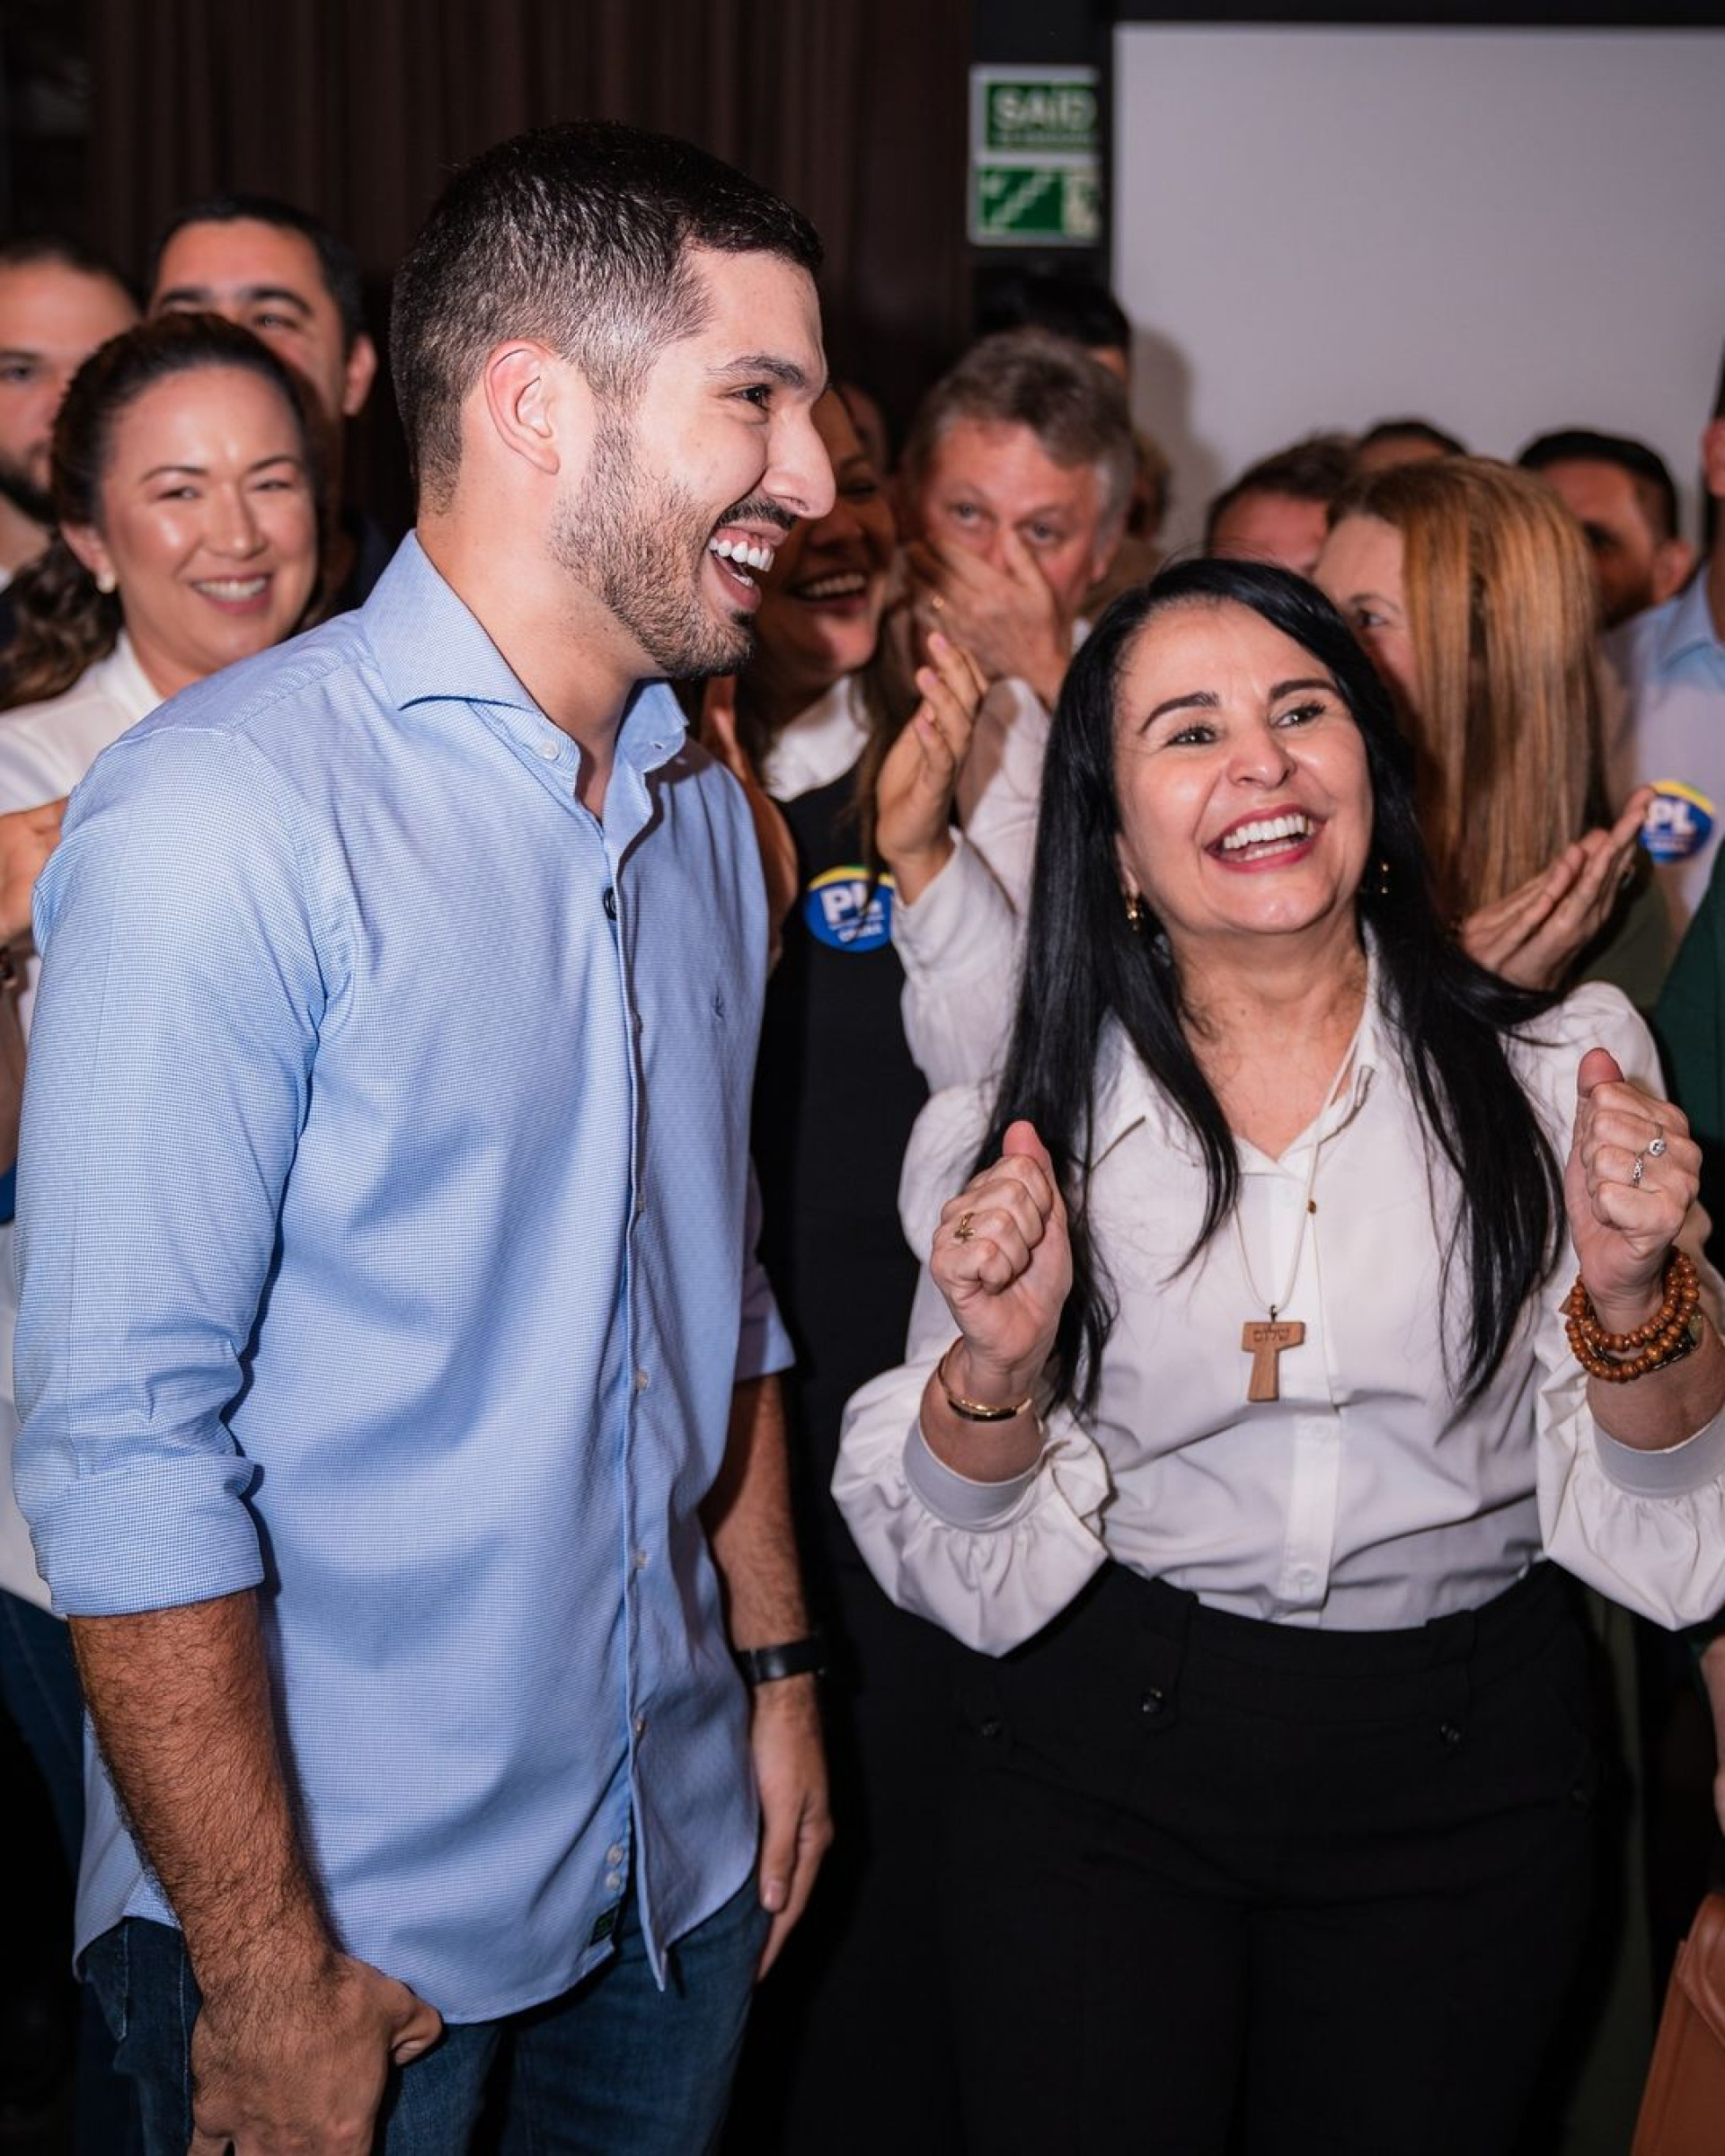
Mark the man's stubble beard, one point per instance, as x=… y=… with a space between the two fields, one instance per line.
x=642 y=558
x=29 y=499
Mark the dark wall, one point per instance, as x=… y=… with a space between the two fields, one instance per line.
x=359 y=109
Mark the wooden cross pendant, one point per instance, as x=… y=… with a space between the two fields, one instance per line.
x=1263 y=1340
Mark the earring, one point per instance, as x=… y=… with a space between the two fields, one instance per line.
x=1381 y=888
x=107 y=583
x=1134 y=912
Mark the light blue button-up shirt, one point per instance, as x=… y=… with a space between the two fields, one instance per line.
x=1671 y=734
x=382 y=1239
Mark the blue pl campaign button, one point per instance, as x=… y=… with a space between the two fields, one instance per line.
x=1679 y=821
x=848 y=911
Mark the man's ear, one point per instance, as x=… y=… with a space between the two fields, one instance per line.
x=535 y=405
x=1712 y=458
x=361 y=372
x=1673 y=559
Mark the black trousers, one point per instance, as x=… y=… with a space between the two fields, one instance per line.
x=1216 y=1887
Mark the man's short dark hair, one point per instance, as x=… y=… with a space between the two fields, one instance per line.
x=1314 y=470
x=1054 y=300
x=1073 y=405
x=577 y=235
x=1646 y=467
x=1412 y=430
x=337 y=263
x=32 y=249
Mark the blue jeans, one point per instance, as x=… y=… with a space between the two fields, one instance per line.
x=615 y=2067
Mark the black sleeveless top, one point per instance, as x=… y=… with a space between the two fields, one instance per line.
x=835 y=1094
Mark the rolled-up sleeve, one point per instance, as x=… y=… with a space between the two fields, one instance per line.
x=185 y=977
x=1646 y=1528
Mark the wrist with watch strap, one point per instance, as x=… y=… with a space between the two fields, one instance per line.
x=804 y=1657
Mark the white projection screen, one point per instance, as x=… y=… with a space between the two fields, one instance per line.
x=1503 y=231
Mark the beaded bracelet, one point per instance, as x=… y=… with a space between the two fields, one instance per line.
x=1673 y=1332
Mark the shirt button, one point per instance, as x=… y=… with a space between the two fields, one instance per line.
x=548 y=750
x=640 y=1560
x=613 y=1855
x=641 y=1380
x=639 y=1725
x=610 y=903
x=614 y=1880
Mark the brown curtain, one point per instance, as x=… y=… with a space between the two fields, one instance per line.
x=359 y=110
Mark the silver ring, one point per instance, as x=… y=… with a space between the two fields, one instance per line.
x=1635 y=1173
x=1658 y=1146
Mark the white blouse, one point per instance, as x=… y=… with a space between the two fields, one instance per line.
x=958 y=942
x=1366 y=1496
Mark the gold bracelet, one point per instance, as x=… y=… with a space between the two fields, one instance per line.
x=976 y=1410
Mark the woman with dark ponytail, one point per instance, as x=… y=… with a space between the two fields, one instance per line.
x=1267 y=1404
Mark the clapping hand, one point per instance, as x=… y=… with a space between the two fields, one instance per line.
x=919 y=774
x=1533 y=936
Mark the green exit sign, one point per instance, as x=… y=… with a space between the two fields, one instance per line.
x=1037 y=203
x=1035 y=163
x=1032 y=114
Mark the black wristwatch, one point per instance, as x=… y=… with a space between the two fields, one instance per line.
x=793 y=1659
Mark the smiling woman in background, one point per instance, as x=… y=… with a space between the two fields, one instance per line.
x=187 y=498
x=1239 y=1416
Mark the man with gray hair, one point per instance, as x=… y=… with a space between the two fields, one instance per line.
x=1015 y=480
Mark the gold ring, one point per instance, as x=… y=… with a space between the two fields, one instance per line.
x=964 y=1231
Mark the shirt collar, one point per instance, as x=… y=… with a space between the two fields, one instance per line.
x=821 y=744
x=1688 y=626
x=1127 y=1095
x=431 y=648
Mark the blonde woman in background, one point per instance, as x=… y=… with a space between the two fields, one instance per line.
x=1468 y=582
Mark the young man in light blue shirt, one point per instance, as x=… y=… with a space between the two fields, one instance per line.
x=400 y=1435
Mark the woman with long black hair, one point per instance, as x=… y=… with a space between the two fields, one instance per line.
x=1271 y=1832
